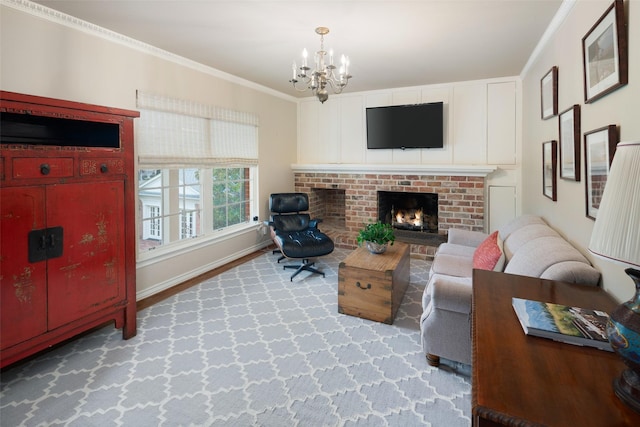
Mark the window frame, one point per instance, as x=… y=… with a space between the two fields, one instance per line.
x=207 y=234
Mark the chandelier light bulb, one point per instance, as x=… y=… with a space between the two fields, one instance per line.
x=323 y=75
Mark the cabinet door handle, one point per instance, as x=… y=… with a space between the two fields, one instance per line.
x=56 y=242
x=45 y=243
x=45 y=169
x=104 y=168
x=37 y=245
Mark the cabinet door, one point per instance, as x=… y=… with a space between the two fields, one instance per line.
x=23 y=284
x=90 y=274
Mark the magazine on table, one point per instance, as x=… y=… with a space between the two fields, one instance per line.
x=572 y=325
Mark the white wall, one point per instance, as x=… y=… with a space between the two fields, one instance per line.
x=45 y=55
x=482 y=127
x=621 y=108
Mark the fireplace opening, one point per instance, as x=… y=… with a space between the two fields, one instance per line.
x=413 y=212
x=329 y=205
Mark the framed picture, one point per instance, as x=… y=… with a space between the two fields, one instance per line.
x=604 y=52
x=569 y=146
x=599 y=148
x=549 y=94
x=549 y=162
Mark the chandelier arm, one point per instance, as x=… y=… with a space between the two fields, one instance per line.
x=336 y=87
x=322 y=74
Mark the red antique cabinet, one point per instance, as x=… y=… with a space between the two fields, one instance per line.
x=67 y=222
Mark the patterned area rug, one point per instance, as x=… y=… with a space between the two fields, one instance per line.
x=245 y=348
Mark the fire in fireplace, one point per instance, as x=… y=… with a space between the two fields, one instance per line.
x=409 y=211
x=410 y=219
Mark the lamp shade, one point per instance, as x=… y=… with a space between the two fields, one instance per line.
x=616 y=233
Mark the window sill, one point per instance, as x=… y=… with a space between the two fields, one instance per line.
x=165 y=253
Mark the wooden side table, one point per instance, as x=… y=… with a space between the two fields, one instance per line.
x=371 y=286
x=520 y=380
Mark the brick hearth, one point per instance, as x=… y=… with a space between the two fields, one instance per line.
x=346 y=201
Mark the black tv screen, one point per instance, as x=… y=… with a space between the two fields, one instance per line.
x=405 y=126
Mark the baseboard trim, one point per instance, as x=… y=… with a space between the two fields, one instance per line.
x=160 y=291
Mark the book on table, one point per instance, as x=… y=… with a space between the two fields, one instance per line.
x=572 y=325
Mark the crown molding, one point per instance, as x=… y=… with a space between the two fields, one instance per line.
x=562 y=13
x=57 y=17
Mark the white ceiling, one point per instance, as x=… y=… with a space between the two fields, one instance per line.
x=391 y=44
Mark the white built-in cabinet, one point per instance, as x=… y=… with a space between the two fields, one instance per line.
x=501 y=123
x=469 y=137
x=481 y=127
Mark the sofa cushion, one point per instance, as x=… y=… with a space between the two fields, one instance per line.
x=452 y=265
x=489 y=254
x=518 y=223
x=524 y=235
x=536 y=256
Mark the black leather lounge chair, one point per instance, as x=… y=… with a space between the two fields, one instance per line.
x=295 y=233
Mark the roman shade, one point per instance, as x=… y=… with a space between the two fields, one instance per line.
x=175 y=133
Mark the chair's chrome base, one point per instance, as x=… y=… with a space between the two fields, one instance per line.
x=305 y=266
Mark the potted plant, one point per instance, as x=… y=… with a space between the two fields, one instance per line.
x=376 y=236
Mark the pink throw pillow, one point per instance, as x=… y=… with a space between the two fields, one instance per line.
x=489 y=254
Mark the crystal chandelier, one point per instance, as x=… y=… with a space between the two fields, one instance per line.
x=323 y=74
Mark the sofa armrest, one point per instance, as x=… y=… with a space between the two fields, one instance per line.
x=466 y=237
x=451 y=293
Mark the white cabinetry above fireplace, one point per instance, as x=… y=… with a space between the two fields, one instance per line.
x=480 y=126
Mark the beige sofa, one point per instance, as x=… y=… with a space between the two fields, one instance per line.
x=530 y=247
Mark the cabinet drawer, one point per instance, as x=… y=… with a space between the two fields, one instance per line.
x=42 y=167
x=101 y=167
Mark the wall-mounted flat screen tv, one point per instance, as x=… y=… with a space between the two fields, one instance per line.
x=405 y=126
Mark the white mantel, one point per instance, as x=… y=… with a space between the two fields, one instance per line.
x=454 y=170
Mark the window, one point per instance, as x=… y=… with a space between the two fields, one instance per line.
x=154 y=222
x=230 y=204
x=187 y=224
x=197 y=172
x=174 y=205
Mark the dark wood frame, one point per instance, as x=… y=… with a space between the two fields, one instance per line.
x=550 y=177
x=619 y=77
x=549 y=101
x=609 y=144
x=569 y=135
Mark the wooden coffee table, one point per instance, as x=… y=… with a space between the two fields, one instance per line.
x=371 y=286
x=520 y=380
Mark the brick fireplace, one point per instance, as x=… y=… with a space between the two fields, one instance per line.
x=346 y=200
